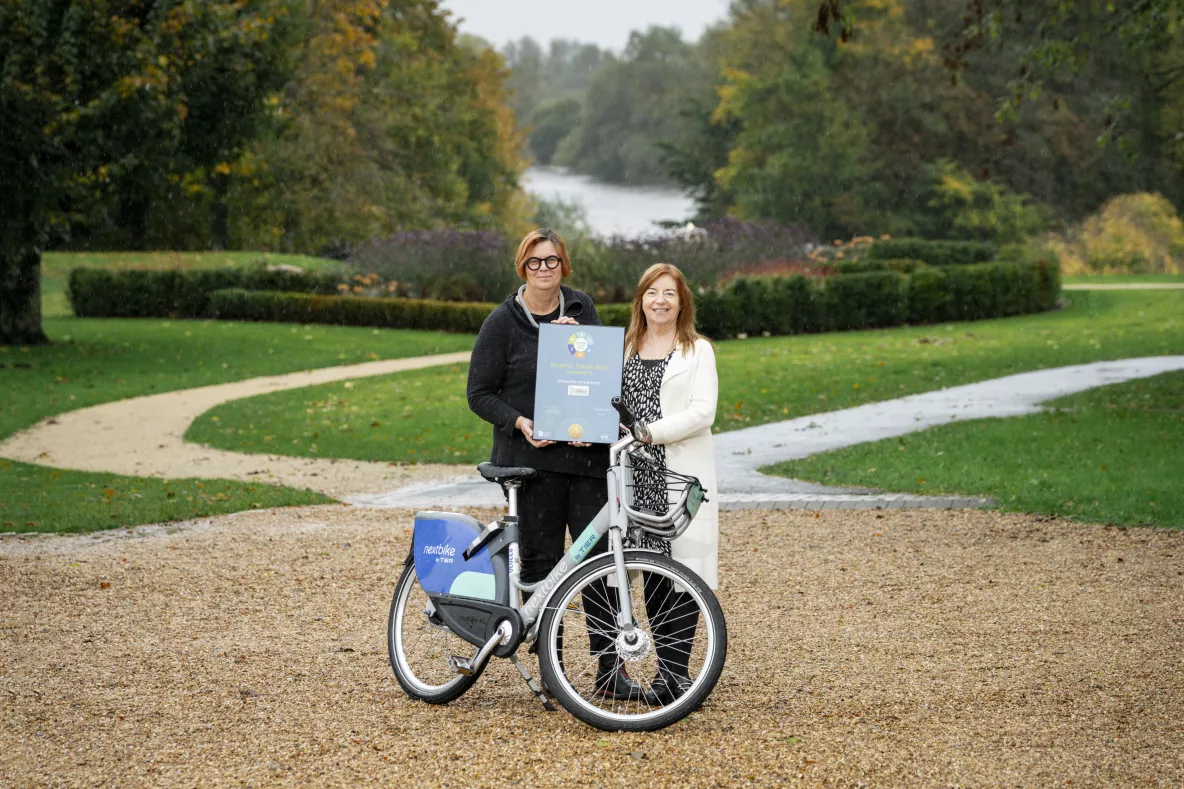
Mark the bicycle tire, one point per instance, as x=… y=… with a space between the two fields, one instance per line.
x=399 y=621
x=551 y=641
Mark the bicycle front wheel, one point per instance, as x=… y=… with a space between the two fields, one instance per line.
x=420 y=644
x=676 y=654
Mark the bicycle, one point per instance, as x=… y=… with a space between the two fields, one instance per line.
x=460 y=585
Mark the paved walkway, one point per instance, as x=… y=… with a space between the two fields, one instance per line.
x=144 y=436
x=1125 y=286
x=740 y=453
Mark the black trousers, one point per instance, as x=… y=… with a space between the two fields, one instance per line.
x=552 y=505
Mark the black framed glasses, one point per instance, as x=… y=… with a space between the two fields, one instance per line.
x=534 y=264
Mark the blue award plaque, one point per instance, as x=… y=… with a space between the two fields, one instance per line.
x=579 y=373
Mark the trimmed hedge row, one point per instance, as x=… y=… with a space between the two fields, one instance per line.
x=935 y=253
x=1022 y=280
x=248 y=305
x=904 y=266
x=748 y=305
x=792 y=305
x=97 y=293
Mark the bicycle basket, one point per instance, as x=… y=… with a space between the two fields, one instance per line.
x=658 y=500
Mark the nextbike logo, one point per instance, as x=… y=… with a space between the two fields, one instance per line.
x=579 y=344
x=439 y=550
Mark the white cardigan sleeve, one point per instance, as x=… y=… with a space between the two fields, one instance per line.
x=700 y=413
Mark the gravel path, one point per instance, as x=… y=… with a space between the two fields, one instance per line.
x=867 y=649
x=145 y=437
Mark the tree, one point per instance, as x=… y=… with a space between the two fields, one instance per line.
x=1062 y=38
x=631 y=104
x=550 y=124
x=96 y=94
x=388 y=123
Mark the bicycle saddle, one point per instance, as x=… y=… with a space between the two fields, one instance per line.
x=505 y=473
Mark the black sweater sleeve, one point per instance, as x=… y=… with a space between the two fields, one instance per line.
x=487 y=372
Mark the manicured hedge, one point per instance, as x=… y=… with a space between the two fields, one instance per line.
x=614 y=314
x=246 y=305
x=96 y=293
x=904 y=266
x=935 y=253
x=1025 y=280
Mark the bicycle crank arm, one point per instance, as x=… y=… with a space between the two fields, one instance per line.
x=468 y=667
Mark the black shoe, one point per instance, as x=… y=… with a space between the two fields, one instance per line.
x=613 y=682
x=667 y=688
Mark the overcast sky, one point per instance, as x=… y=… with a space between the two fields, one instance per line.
x=603 y=22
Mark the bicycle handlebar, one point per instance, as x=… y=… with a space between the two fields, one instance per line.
x=637 y=427
x=627 y=418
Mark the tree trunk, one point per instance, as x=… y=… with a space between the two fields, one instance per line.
x=133 y=218
x=220 y=213
x=20 y=297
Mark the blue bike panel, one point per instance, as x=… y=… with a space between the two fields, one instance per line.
x=439 y=545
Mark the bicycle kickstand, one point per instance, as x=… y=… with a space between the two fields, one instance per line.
x=534 y=686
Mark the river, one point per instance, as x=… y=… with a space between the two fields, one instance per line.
x=610 y=208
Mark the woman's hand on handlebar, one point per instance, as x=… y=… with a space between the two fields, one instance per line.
x=646 y=439
x=527 y=428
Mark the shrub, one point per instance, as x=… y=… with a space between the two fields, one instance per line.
x=442 y=264
x=282 y=307
x=97 y=293
x=858 y=301
x=935 y=253
x=615 y=314
x=904 y=266
x=1130 y=234
x=952 y=203
x=1025 y=279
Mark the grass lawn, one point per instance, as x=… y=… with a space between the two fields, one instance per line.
x=1111 y=455
x=96 y=361
x=1121 y=279
x=55 y=268
x=423 y=415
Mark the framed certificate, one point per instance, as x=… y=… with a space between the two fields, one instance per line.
x=579 y=373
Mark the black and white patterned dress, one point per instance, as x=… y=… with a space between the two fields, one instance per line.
x=641 y=387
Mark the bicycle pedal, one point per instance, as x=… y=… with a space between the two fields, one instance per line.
x=460 y=665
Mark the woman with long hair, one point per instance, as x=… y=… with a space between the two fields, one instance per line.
x=670 y=381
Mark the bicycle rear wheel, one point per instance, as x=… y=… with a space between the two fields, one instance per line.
x=681 y=633
x=420 y=645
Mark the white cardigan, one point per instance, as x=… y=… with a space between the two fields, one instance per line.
x=690 y=388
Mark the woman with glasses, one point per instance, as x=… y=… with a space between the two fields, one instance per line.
x=571 y=485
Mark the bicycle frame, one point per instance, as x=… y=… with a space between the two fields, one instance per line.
x=613 y=519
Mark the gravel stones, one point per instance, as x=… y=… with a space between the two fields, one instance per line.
x=927 y=648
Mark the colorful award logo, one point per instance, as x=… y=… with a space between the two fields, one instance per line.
x=575 y=431
x=579 y=344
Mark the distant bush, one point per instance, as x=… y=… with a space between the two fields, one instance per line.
x=443 y=264
x=278 y=307
x=954 y=204
x=479 y=265
x=935 y=253
x=609 y=269
x=861 y=301
x=99 y=293
x=872 y=264
x=1130 y=234
x=1023 y=280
